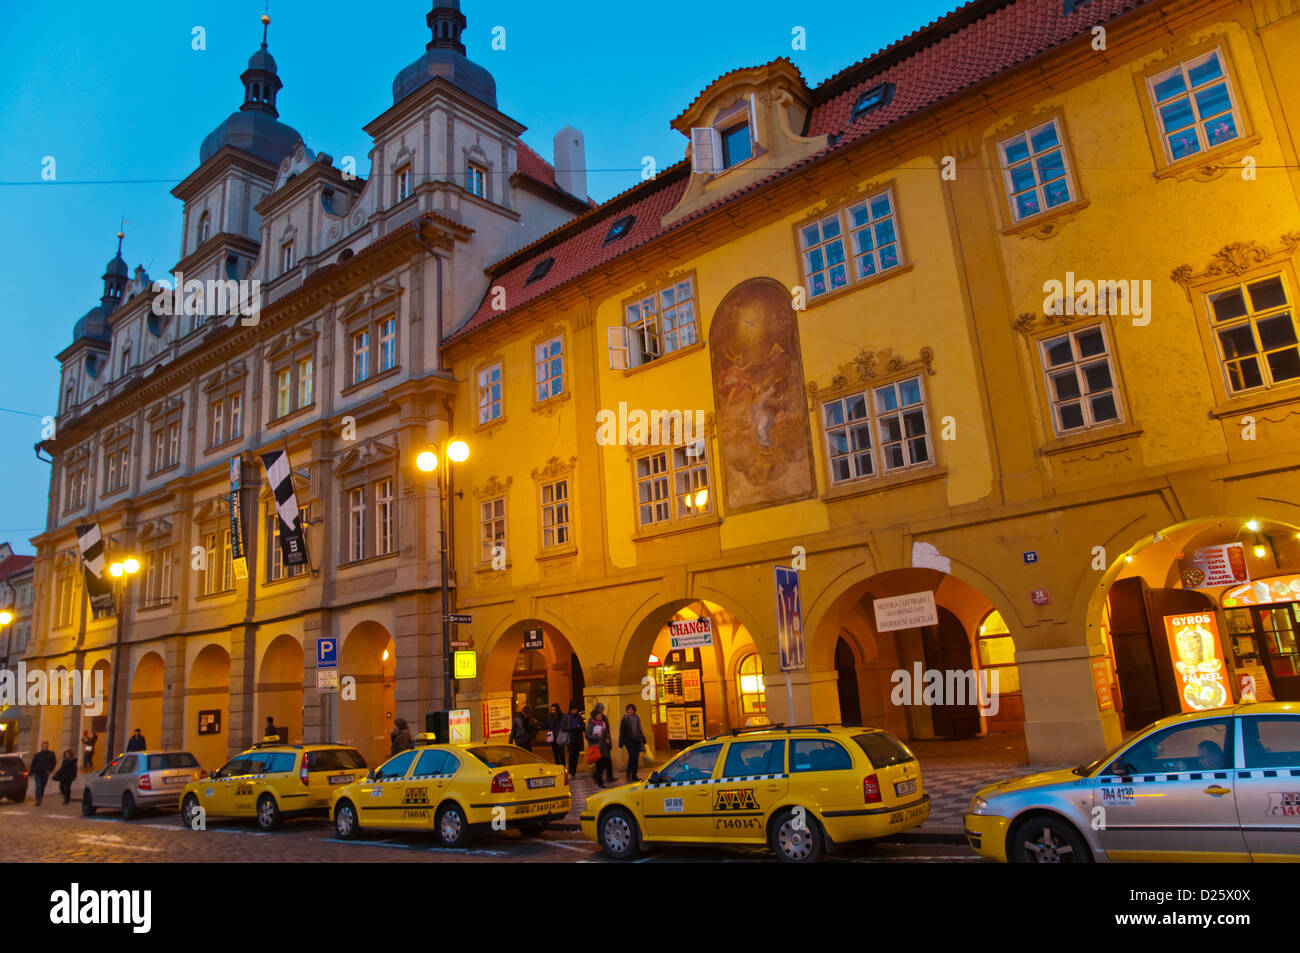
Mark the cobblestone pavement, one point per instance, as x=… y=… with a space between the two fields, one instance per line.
x=55 y=832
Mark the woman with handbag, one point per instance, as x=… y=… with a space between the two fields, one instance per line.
x=555 y=733
x=577 y=731
x=598 y=735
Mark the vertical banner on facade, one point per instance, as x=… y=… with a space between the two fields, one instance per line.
x=92 y=563
x=238 y=560
x=1197 y=652
x=292 y=546
x=789 y=619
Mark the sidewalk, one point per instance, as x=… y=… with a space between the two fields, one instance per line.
x=952 y=771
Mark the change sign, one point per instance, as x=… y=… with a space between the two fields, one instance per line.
x=691 y=633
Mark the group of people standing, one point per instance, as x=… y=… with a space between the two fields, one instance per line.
x=567 y=735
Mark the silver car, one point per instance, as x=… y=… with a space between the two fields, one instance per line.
x=1217 y=785
x=138 y=780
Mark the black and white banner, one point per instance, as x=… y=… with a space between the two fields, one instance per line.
x=278 y=471
x=98 y=586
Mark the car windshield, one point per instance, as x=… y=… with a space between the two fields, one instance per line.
x=503 y=756
x=1084 y=770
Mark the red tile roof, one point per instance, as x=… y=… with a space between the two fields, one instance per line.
x=535 y=167
x=975 y=42
x=14 y=565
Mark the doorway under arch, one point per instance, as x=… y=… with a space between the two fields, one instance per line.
x=207 y=708
x=369 y=655
x=144 y=704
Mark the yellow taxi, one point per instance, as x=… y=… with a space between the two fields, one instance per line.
x=800 y=790
x=272 y=781
x=454 y=790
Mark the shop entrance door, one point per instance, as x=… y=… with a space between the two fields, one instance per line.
x=1278 y=625
x=846 y=672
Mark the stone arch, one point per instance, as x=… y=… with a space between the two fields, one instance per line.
x=368 y=655
x=207 y=691
x=279 y=692
x=144 y=705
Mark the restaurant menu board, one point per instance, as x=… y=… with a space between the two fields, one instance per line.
x=1264 y=592
x=1101 y=680
x=1222 y=565
x=496 y=717
x=1197 y=651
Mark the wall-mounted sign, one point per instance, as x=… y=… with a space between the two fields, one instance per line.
x=458 y=726
x=465 y=664
x=1222 y=565
x=327 y=653
x=533 y=640
x=694 y=724
x=690 y=633
x=327 y=680
x=210 y=722
x=1030 y=557
x=1263 y=592
x=789 y=620
x=1040 y=597
x=676 y=724
x=496 y=717
x=1198 y=659
x=459 y=618
x=906 y=612
x=1101 y=681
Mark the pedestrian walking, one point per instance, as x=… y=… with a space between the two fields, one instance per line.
x=631 y=737
x=88 y=742
x=523 y=727
x=555 y=732
x=43 y=763
x=401 y=737
x=136 y=742
x=576 y=729
x=66 y=774
x=598 y=735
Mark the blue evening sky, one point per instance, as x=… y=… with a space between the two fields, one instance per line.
x=115 y=93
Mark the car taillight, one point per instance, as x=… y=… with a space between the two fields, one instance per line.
x=501 y=783
x=871 y=789
x=566 y=777
x=144 y=784
x=302 y=775
x=24 y=775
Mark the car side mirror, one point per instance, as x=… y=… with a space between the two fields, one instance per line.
x=371 y=775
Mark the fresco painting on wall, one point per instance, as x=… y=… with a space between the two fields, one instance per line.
x=762 y=413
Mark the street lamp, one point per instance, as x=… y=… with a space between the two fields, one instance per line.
x=454 y=451
x=122 y=571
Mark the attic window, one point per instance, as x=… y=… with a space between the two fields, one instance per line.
x=327 y=201
x=539 y=270
x=728 y=142
x=619 y=228
x=874 y=98
x=1072 y=5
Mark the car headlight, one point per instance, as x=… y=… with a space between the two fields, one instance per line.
x=978 y=805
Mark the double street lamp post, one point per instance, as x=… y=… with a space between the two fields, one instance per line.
x=453 y=451
x=122 y=571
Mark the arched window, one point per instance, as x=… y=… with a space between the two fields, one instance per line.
x=997 y=653
x=753 y=692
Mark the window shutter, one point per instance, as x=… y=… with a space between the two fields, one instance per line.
x=753 y=122
x=706 y=149
x=650 y=338
x=618 y=347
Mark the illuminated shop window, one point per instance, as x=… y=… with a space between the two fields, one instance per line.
x=753 y=692
x=997 y=652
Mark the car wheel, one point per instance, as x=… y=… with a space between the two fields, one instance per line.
x=189 y=808
x=268 y=813
x=453 y=829
x=87 y=805
x=1047 y=840
x=345 y=821
x=533 y=828
x=797 y=838
x=618 y=834
x=128 y=806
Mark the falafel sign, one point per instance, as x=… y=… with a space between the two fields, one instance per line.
x=1197 y=651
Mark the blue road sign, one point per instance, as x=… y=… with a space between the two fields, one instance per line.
x=327 y=653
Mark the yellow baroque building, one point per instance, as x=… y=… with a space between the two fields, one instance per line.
x=1002 y=316
x=988 y=341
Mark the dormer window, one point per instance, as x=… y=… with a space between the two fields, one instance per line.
x=874 y=98
x=728 y=142
x=540 y=270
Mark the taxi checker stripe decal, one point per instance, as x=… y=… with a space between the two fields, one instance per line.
x=755 y=777
x=732 y=780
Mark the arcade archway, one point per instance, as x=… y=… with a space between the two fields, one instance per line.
x=207 y=708
x=144 y=703
x=279 y=689
x=369 y=656
x=533 y=665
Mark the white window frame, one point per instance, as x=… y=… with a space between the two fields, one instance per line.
x=387 y=343
x=491 y=393
x=361 y=356
x=306 y=370
x=845 y=238
x=904 y=440
x=476 y=179
x=384 y=539
x=1189 y=93
x=283 y=392
x=656 y=325
x=1031 y=161
x=1251 y=318
x=557 y=512
x=1078 y=364
x=357 y=523
x=548 y=357
x=492 y=527
x=404 y=183
x=286 y=257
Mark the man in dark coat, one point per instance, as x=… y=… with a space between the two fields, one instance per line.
x=401 y=737
x=66 y=774
x=43 y=763
x=631 y=737
x=136 y=742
